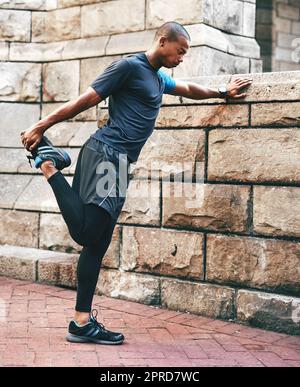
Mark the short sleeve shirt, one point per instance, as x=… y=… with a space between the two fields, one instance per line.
x=135 y=90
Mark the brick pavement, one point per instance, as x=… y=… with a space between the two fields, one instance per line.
x=34 y=320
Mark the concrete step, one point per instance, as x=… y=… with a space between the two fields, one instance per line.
x=38 y=265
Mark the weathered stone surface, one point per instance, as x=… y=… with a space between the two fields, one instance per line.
x=20 y=81
x=213 y=206
x=227 y=16
x=161 y=11
x=71 y=3
x=86 y=115
x=62 y=133
x=18 y=262
x=273 y=86
x=194 y=116
x=37 y=195
x=84 y=130
x=61 y=81
x=286 y=114
x=201 y=61
x=256 y=66
x=249 y=15
x=184 y=156
x=56 y=25
x=254 y=155
x=130 y=42
x=255 y=262
x=54 y=51
x=28 y=4
x=21 y=262
x=205 y=299
x=165 y=252
x=112 y=17
x=12 y=160
x=58 y=270
x=91 y=68
x=276 y=312
x=129 y=286
x=276 y=211
x=15 y=25
x=71 y=133
x=3 y=50
x=19 y=228
x=11 y=186
x=205 y=35
x=54 y=234
x=142 y=204
x=14 y=119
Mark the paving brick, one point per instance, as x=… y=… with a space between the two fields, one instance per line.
x=164 y=339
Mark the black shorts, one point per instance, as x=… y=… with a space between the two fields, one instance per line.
x=102 y=176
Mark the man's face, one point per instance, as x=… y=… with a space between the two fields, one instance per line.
x=172 y=52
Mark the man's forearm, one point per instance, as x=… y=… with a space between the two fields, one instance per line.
x=66 y=111
x=202 y=92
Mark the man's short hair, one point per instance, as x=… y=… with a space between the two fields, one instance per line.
x=171 y=30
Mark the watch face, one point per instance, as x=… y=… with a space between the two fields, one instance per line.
x=222 y=89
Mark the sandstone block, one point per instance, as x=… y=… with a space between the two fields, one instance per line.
x=165 y=252
x=254 y=262
x=254 y=155
x=199 y=298
x=216 y=207
x=19 y=228
x=61 y=81
x=269 y=311
x=20 y=81
x=15 y=118
x=112 y=17
x=283 y=114
x=15 y=25
x=183 y=157
x=11 y=187
x=51 y=26
x=59 y=270
x=195 y=116
x=142 y=204
x=276 y=211
x=129 y=286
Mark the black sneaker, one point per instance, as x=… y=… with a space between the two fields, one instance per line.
x=45 y=150
x=93 y=331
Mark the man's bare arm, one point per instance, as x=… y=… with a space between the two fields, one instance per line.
x=70 y=109
x=32 y=136
x=195 y=91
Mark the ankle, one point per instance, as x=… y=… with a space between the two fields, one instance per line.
x=48 y=168
x=81 y=317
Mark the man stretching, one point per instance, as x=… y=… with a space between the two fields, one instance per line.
x=135 y=85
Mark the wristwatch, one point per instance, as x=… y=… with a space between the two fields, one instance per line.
x=223 y=92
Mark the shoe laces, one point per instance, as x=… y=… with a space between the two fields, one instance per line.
x=94 y=315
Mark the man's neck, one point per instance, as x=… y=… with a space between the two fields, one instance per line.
x=153 y=60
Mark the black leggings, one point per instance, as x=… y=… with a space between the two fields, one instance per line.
x=90 y=226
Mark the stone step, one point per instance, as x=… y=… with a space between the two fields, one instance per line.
x=26 y=263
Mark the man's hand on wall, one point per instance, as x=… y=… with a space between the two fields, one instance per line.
x=234 y=87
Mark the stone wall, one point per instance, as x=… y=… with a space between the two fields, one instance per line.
x=235 y=253
x=278 y=34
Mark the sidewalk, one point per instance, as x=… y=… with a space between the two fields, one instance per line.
x=34 y=320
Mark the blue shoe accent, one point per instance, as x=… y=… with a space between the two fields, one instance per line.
x=45 y=150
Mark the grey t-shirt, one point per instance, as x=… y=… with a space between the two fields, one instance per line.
x=135 y=89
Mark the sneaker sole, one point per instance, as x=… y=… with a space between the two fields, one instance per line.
x=76 y=339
